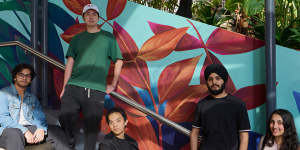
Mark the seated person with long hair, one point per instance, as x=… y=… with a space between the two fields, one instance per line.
x=280 y=132
x=117 y=139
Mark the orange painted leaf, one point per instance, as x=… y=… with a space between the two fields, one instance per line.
x=142 y=131
x=175 y=78
x=126 y=43
x=226 y=42
x=161 y=45
x=253 y=96
x=115 y=8
x=136 y=73
x=125 y=89
x=72 y=31
x=187 y=42
x=181 y=108
x=230 y=87
x=76 y=6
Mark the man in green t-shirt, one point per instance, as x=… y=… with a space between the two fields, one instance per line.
x=84 y=88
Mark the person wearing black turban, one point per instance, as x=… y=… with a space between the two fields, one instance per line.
x=220 y=118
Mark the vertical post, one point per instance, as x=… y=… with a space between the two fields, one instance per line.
x=45 y=52
x=34 y=41
x=270 y=56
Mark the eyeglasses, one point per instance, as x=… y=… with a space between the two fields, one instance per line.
x=22 y=75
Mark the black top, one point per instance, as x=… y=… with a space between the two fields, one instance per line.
x=220 y=120
x=111 y=142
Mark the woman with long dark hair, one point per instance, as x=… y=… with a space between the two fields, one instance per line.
x=280 y=132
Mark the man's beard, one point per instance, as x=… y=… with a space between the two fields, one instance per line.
x=216 y=92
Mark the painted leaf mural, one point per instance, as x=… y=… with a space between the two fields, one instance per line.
x=297 y=99
x=253 y=96
x=136 y=73
x=127 y=90
x=138 y=81
x=10 y=56
x=76 y=6
x=187 y=42
x=224 y=42
x=161 y=45
x=127 y=45
x=115 y=8
x=175 y=78
x=72 y=31
x=180 y=108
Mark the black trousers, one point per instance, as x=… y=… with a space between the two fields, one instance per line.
x=13 y=138
x=90 y=103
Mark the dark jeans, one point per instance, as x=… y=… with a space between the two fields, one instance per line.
x=13 y=138
x=90 y=103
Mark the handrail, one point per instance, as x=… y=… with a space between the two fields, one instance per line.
x=32 y=51
x=115 y=94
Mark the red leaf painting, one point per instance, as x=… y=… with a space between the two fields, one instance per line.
x=187 y=42
x=181 y=108
x=136 y=73
x=72 y=31
x=126 y=43
x=230 y=87
x=175 y=78
x=161 y=45
x=127 y=90
x=225 y=42
x=141 y=129
x=76 y=6
x=115 y=8
x=253 y=96
x=58 y=80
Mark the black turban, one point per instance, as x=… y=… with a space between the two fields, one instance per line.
x=218 y=69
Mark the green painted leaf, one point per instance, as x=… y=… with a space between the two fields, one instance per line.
x=15 y=5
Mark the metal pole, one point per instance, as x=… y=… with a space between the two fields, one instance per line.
x=45 y=52
x=34 y=41
x=270 y=56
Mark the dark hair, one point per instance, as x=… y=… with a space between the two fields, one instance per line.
x=118 y=110
x=19 y=68
x=290 y=138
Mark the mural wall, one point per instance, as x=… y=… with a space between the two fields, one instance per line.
x=165 y=56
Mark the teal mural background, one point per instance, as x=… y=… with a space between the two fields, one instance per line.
x=245 y=69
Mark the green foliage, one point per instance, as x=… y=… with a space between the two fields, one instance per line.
x=165 y=5
x=210 y=12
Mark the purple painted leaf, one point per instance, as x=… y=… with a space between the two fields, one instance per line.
x=230 y=87
x=175 y=78
x=297 y=99
x=253 y=96
x=187 y=42
x=127 y=45
x=226 y=42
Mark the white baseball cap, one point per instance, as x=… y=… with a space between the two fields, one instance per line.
x=90 y=6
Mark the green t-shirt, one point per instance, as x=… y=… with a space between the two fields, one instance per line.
x=92 y=54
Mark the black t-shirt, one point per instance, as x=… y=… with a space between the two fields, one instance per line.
x=220 y=120
x=111 y=142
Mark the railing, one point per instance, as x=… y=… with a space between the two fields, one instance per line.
x=128 y=101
